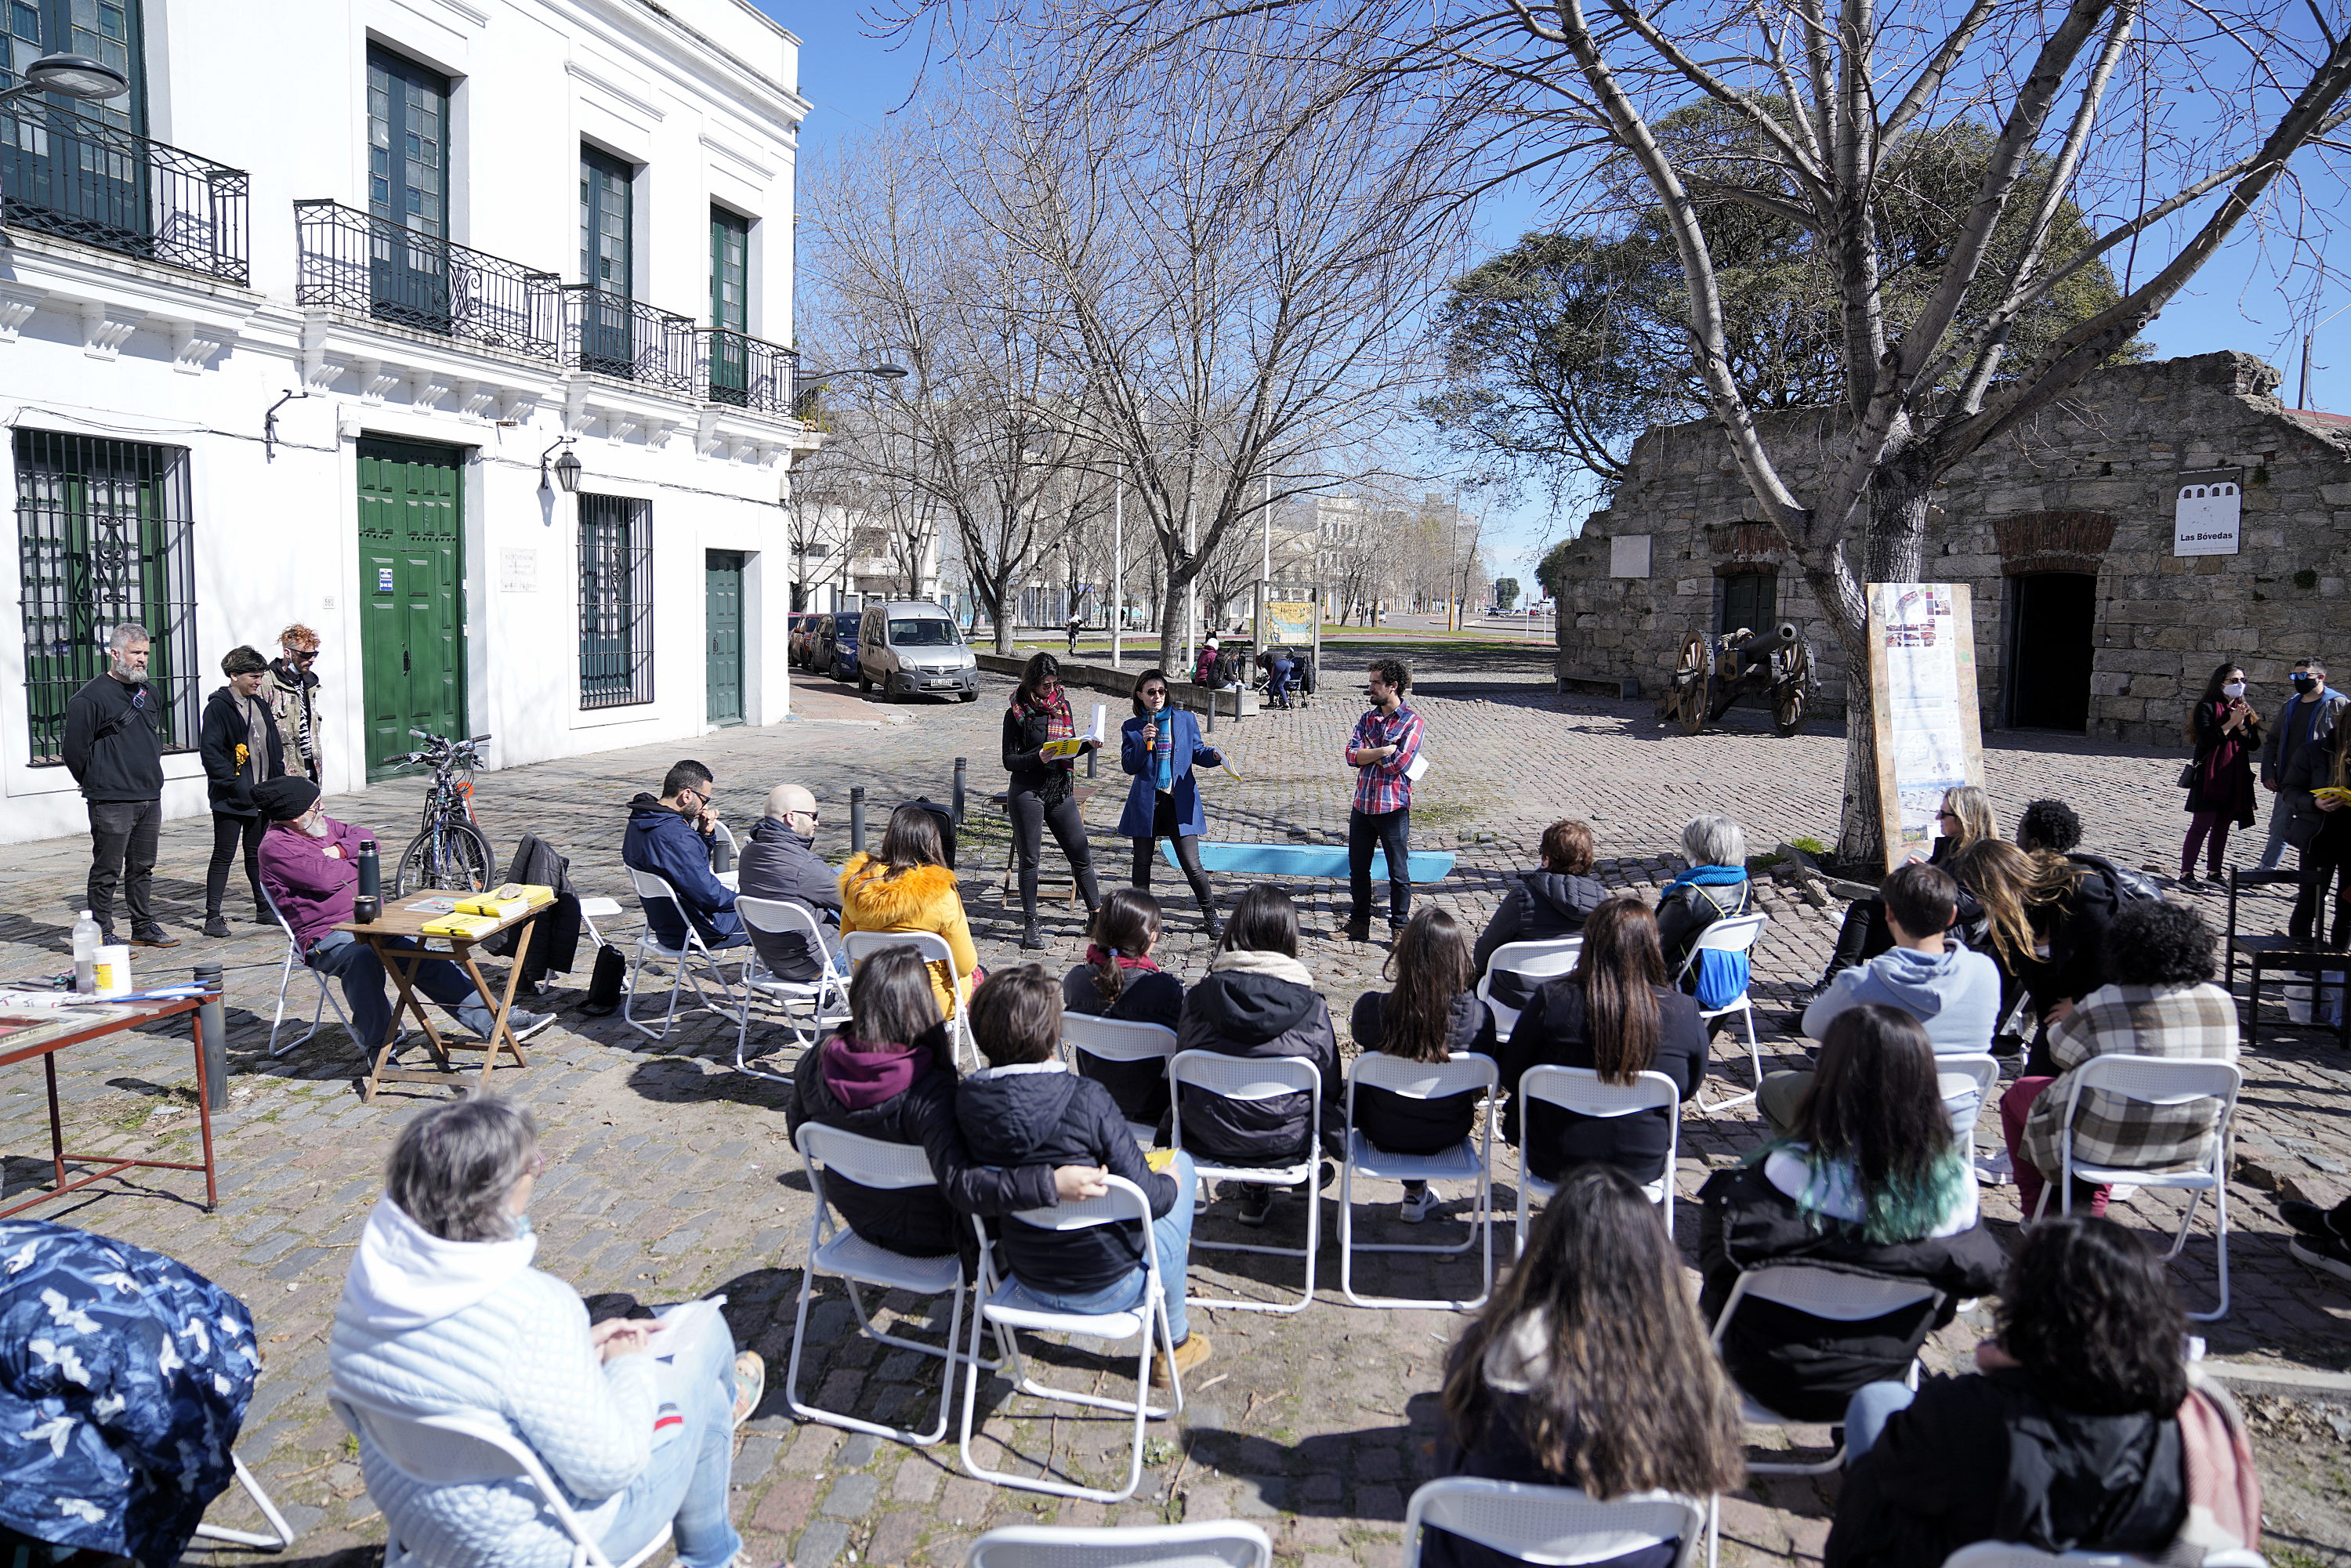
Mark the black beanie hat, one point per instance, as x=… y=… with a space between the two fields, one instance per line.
x=284 y=799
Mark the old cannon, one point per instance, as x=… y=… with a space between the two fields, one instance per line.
x=1714 y=673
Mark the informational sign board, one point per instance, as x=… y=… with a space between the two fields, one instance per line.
x=2206 y=516
x=1922 y=685
x=1290 y=615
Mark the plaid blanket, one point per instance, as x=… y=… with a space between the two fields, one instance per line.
x=2182 y=1022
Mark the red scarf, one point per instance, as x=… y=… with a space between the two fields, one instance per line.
x=1094 y=956
x=1058 y=725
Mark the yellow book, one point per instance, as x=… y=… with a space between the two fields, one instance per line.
x=533 y=895
x=493 y=905
x=465 y=927
x=2340 y=797
x=1160 y=1160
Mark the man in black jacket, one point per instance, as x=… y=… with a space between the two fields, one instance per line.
x=113 y=753
x=781 y=863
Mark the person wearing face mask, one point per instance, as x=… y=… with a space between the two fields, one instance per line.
x=309 y=865
x=669 y=836
x=2309 y=717
x=2225 y=731
x=1161 y=745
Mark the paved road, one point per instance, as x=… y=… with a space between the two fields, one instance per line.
x=669 y=1178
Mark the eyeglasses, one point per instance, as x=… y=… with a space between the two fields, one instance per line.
x=811 y=816
x=1152 y=692
x=1947 y=814
x=538 y=1160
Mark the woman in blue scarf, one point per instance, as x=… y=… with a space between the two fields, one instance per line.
x=1159 y=746
x=1715 y=887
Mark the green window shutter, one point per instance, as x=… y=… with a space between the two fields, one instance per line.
x=730 y=255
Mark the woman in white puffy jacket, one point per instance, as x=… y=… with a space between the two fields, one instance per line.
x=443 y=1315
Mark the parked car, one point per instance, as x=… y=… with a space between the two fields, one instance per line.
x=910 y=647
x=836 y=647
x=801 y=647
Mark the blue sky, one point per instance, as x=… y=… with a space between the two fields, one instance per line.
x=855 y=82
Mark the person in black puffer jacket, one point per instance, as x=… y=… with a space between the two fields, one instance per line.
x=1871 y=1179
x=1431 y=1015
x=2074 y=1433
x=1542 y=905
x=1614 y=1014
x=1259 y=1000
x=1025 y=1107
x=889 y=1073
x=1119 y=980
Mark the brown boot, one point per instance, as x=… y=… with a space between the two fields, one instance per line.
x=1193 y=1350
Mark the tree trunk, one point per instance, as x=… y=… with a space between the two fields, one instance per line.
x=1899 y=500
x=1171 y=633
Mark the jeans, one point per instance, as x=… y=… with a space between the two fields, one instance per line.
x=1391 y=832
x=1171 y=1234
x=226 y=832
x=1030 y=817
x=2279 y=812
x=122 y=850
x=2015 y=1108
x=1188 y=853
x=368 y=988
x=685 y=1486
x=1865 y=1415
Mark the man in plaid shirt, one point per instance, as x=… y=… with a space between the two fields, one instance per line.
x=2158 y=1000
x=1385 y=744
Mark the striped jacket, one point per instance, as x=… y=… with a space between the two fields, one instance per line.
x=2182 y=1022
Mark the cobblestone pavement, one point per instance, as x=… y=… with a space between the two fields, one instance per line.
x=669 y=1176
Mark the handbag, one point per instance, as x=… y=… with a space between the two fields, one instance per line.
x=2188 y=775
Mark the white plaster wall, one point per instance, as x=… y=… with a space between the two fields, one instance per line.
x=703 y=97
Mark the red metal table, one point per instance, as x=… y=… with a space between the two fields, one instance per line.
x=120 y=1019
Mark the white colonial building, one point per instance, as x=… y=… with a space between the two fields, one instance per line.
x=300 y=329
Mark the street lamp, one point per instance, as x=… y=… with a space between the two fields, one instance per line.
x=806 y=382
x=70 y=76
x=566 y=468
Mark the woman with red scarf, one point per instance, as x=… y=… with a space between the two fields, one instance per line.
x=1042 y=795
x=2226 y=733
x=1119 y=979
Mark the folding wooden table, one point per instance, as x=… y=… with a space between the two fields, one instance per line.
x=78 y=1029
x=402 y=918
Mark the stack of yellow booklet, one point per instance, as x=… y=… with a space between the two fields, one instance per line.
x=464 y=926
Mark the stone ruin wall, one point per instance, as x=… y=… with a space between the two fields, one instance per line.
x=2088 y=485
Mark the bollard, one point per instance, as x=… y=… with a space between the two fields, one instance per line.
x=1212 y=710
x=961 y=763
x=210 y=1023
x=1090 y=756
x=857 y=820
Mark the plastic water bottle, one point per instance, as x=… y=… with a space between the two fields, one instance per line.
x=86 y=937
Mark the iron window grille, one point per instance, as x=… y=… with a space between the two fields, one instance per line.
x=616 y=602
x=104 y=535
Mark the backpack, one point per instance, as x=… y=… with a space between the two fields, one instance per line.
x=2129 y=886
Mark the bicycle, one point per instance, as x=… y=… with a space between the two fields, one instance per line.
x=450 y=850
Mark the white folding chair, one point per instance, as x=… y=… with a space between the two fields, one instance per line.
x=327 y=998
x=591 y=910
x=683 y=961
x=1003 y=1306
x=861 y=946
x=1734 y=934
x=775 y=916
x=472 y=1447
x=1551 y=1524
x=284 y=1532
x=2159 y=1081
x=1537 y=961
x=1204 y=1543
x=1471 y=1160
x=1258 y=1078
x=2009 y=1554
x=1969 y=1074
x=1582 y=1090
x=839 y=1251
x=1117 y=1040
x=1834 y=1295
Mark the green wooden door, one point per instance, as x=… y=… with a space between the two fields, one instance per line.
x=1750 y=598
x=721 y=629
x=413 y=596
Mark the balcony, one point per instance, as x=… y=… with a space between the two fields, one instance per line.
x=608 y=334
x=375 y=266
x=83 y=180
x=745 y=372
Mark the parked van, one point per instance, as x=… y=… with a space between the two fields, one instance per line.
x=910 y=647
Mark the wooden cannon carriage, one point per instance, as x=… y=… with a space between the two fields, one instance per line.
x=1713 y=673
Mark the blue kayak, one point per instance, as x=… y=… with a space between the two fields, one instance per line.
x=1306 y=860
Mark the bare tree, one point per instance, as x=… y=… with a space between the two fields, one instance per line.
x=2173 y=127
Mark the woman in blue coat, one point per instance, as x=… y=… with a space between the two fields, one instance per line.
x=1159 y=746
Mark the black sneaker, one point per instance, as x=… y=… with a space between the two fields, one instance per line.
x=216 y=924
x=1257 y=1202
x=2308 y=1219
x=1030 y=937
x=153 y=936
x=1359 y=930
x=262 y=917
x=2329 y=1255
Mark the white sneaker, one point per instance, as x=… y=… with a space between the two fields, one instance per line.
x=1994 y=1170
x=1416 y=1207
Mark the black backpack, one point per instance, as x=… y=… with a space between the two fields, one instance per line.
x=2129 y=886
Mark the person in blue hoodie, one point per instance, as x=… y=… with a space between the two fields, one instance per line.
x=669 y=835
x=1954 y=994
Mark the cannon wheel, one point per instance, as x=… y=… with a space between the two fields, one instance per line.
x=1696 y=662
x=1791 y=691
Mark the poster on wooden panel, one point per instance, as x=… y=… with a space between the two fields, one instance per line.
x=1922 y=685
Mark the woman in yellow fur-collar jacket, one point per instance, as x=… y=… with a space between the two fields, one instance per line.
x=908 y=887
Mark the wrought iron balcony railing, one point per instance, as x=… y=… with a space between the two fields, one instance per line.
x=746 y=372
x=375 y=266
x=609 y=334
x=84 y=180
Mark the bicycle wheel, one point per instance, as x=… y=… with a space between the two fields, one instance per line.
x=452 y=856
